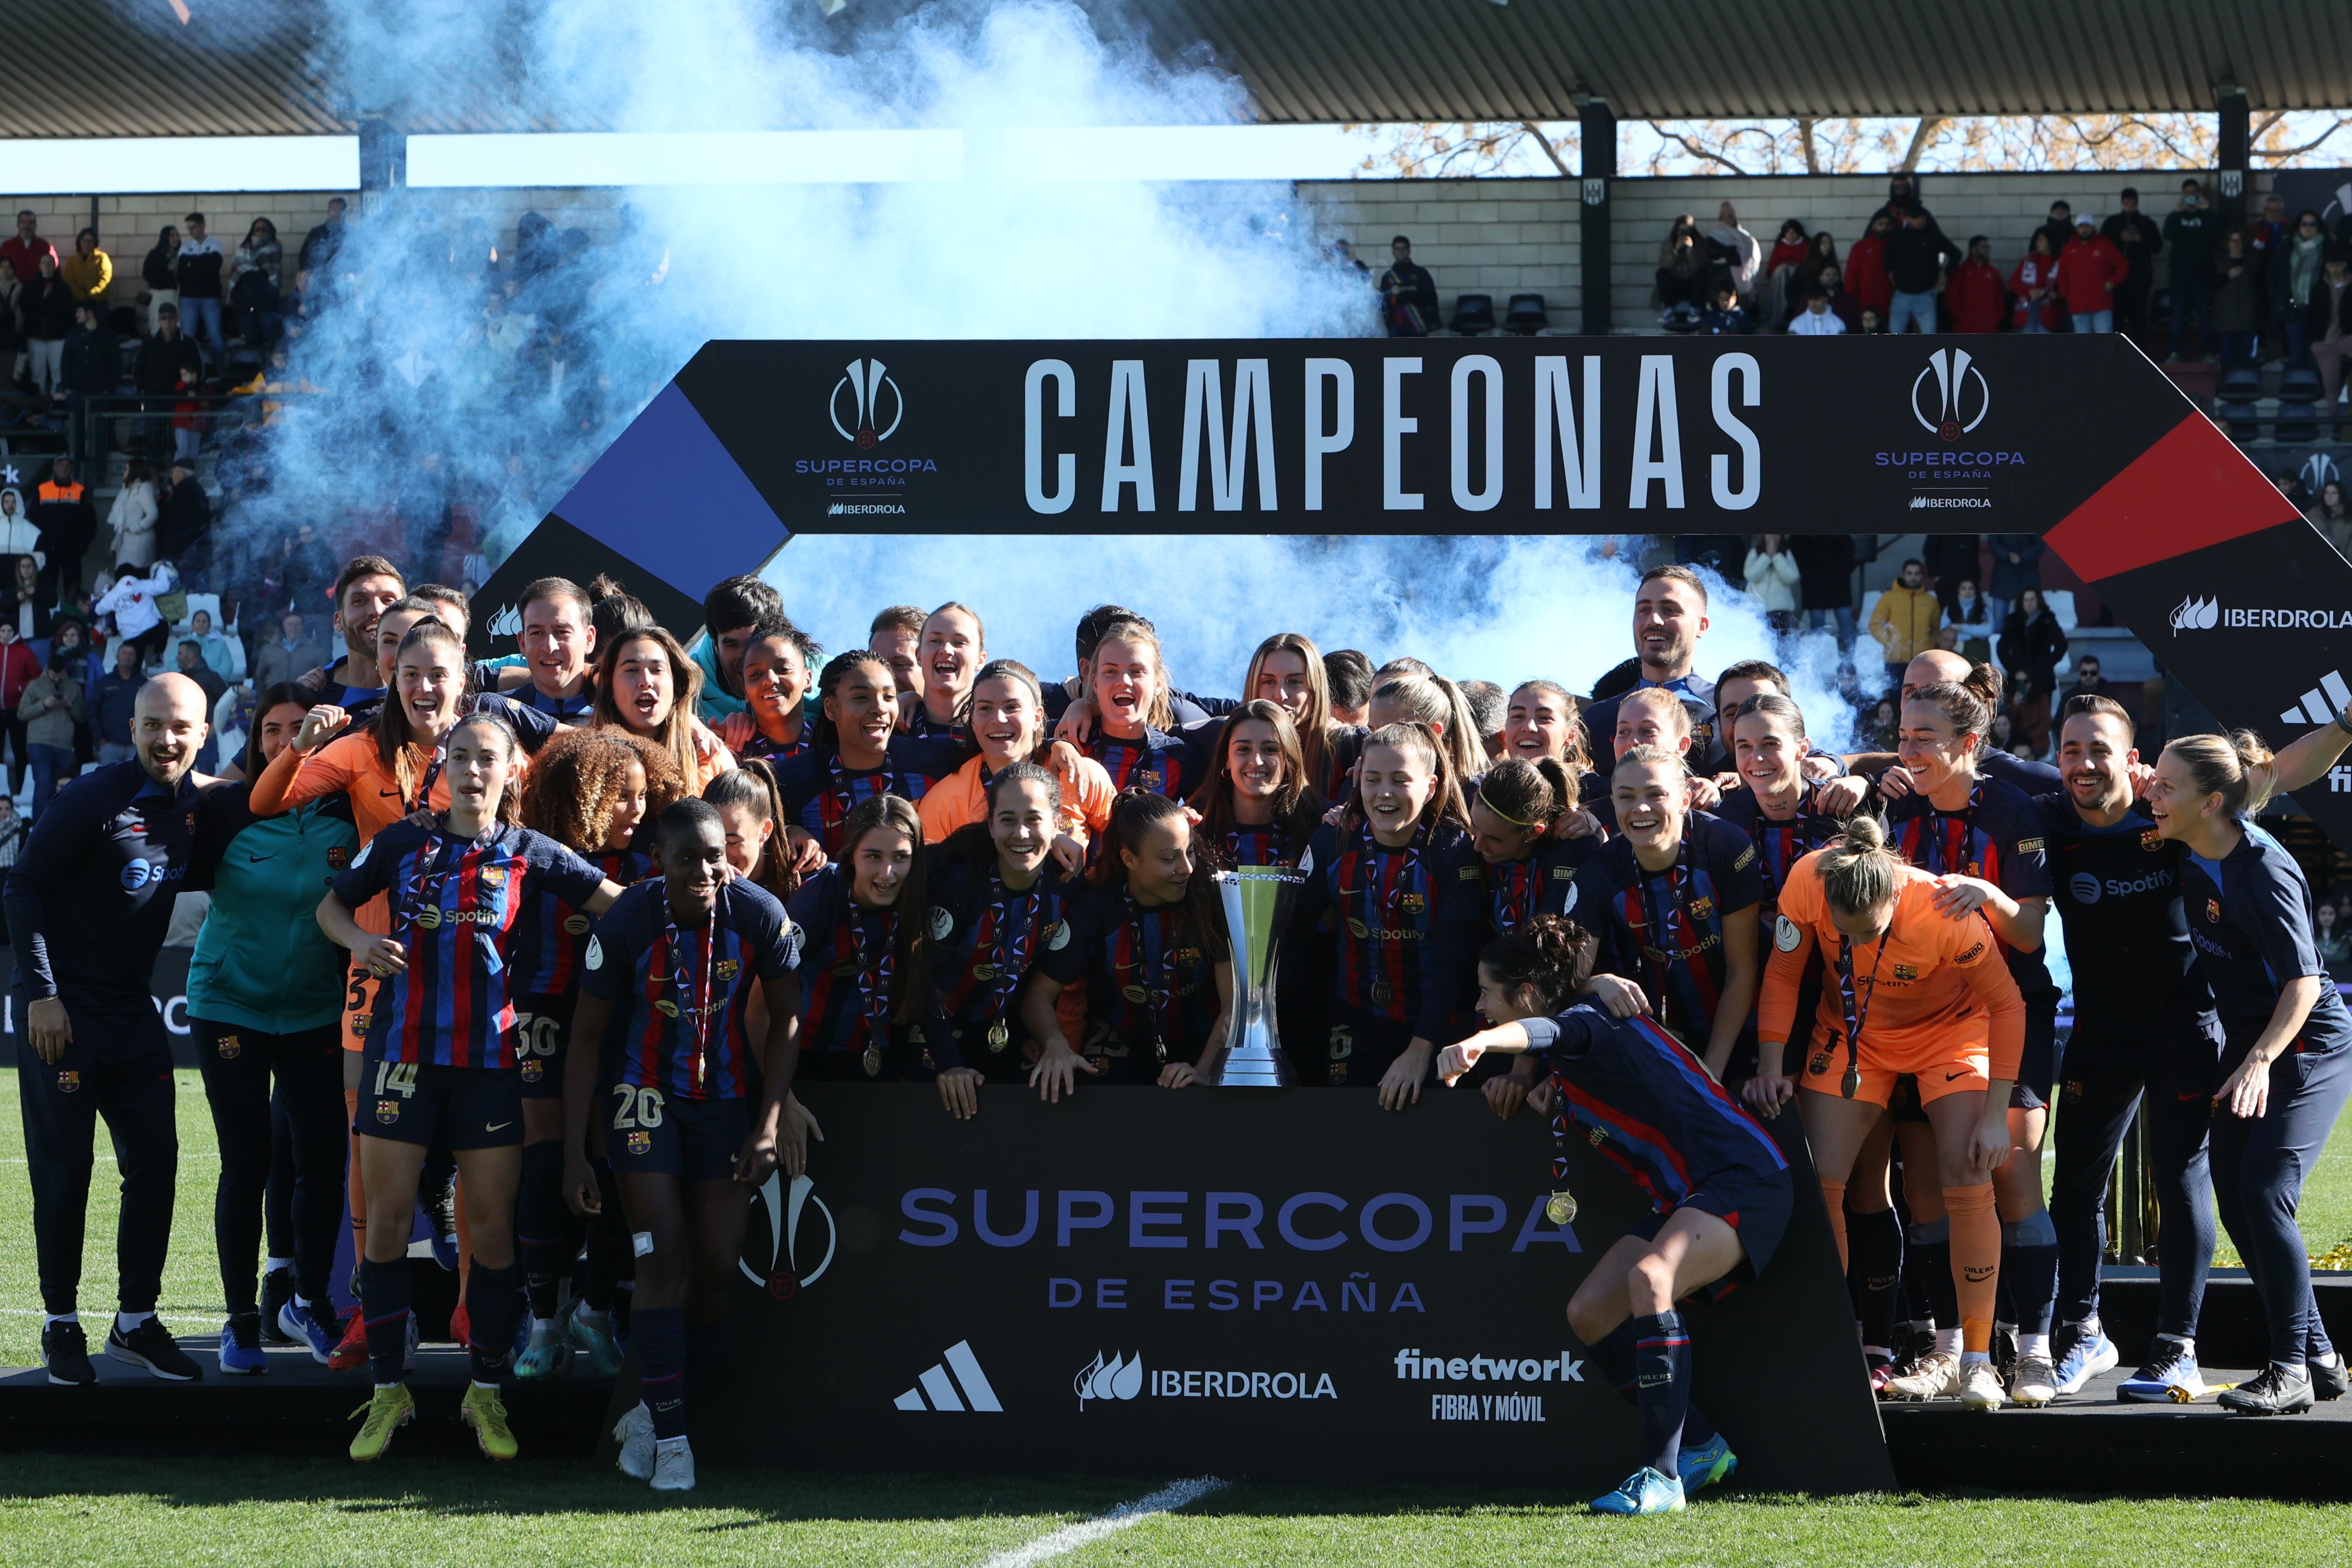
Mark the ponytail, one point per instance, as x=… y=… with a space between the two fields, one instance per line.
x=1529 y=795
x=1858 y=871
x=2227 y=765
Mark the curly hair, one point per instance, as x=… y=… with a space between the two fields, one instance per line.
x=576 y=780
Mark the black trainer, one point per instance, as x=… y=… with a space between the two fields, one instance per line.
x=64 y=1351
x=2328 y=1381
x=150 y=1345
x=2275 y=1390
x=276 y=1289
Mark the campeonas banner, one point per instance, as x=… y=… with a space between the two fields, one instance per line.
x=1277 y=1283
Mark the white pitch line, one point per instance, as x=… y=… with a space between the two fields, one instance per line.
x=1070 y=1538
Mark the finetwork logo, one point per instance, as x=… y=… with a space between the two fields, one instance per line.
x=866 y=381
x=2322 y=703
x=1958 y=399
x=791 y=1212
x=1117 y=1378
x=967 y=1390
x=2196 y=614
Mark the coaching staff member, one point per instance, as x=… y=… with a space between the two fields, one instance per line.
x=89 y=903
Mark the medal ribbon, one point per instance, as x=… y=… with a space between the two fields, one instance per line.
x=1856 y=1015
x=1662 y=946
x=1512 y=889
x=1140 y=950
x=874 y=970
x=693 y=1001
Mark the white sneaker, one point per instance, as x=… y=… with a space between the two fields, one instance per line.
x=1980 y=1386
x=636 y=1432
x=1935 y=1375
x=673 y=1465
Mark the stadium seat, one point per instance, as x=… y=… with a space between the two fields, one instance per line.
x=2298 y=413
x=1527 y=315
x=1473 y=314
x=2234 y=401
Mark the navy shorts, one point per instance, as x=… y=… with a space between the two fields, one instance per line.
x=2037 y=1065
x=648 y=1132
x=542 y=1036
x=455 y=1107
x=1756 y=1205
x=1358 y=1048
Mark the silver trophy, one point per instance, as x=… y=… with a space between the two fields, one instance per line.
x=1259 y=901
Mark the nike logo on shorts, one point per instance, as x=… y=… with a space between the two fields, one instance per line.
x=1950 y=1076
x=257 y=860
x=498 y=1126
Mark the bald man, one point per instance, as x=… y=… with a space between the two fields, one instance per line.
x=89 y=903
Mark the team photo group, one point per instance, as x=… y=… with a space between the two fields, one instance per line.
x=540 y=946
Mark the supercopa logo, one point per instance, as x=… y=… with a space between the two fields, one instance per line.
x=1950 y=397
x=863 y=384
x=2195 y=615
x=799 y=1234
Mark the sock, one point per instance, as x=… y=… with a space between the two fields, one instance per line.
x=1833 y=1199
x=2327 y=1360
x=2186 y=1342
x=625 y=1300
x=126 y=1322
x=73 y=1318
x=1948 y=1341
x=274 y=1265
x=2029 y=1268
x=383 y=1309
x=1662 y=1363
x=1875 y=1243
x=2033 y=1344
x=1614 y=1356
x=540 y=1227
x=493 y=1296
x=1931 y=1253
x=661 y=1367
x=1975 y=1261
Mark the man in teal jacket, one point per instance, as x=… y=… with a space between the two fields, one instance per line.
x=266 y=998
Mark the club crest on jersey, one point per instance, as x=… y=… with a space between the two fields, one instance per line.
x=1702 y=909
x=1414 y=904
x=2152 y=840
x=493 y=876
x=641 y=1143
x=387 y=1111
x=1905 y=972
x=576 y=924
x=727 y=969
x=338 y=856
x=2213 y=910
x=533 y=1070
x=1146 y=779
x=69 y=1080
x=1185 y=957
x=229 y=1046
x=1057 y=937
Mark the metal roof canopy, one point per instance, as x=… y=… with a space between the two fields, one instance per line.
x=84 y=67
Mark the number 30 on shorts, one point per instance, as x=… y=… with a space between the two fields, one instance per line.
x=639 y=1107
x=535 y=1033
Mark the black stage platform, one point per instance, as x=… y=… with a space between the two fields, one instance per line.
x=297 y=1407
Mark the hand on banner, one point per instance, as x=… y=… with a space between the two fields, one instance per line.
x=1401 y=1084
x=1179 y=1075
x=1057 y=1072
x=960 y=1092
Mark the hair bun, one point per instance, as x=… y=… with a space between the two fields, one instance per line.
x=1866 y=832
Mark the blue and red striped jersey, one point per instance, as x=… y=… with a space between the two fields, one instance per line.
x=1998 y=837
x=849 y=982
x=1649 y=1104
x=819 y=793
x=550 y=937
x=1543 y=882
x=986 y=939
x=776 y=751
x=453 y=903
x=1409 y=924
x=1778 y=845
x=1151 y=980
x=681 y=996
x=1155 y=760
x=1662 y=930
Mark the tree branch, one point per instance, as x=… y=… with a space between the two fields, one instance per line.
x=1700 y=152
x=1549 y=150
x=1805 y=143
x=1921 y=135
x=2299 y=151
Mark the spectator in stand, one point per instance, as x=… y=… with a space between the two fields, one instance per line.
x=18 y=670
x=292 y=654
x=1842 y=303
x=212 y=645
x=1971 y=618
x=2060 y=226
x=319 y=246
x=1885 y=726
x=2016 y=564
x=193 y=665
x=1905 y=619
x=1951 y=557
x=187 y=521
x=2088 y=682
x=1873 y=323
x=255 y=285
x=2240 y=301
x=2330 y=515
x=137 y=620
x=23 y=253
x=167 y=363
x=113 y=702
x=135 y=516
x=1682 y=270
x=68 y=524
x=2266 y=234
x=20 y=541
x=1725 y=317
x=1902 y=196
x=2035 y=285
x=2136 y=234
x=2296 y=265
x=1817 y=319
x=2089 y=269
x=2327 y=331
x=1826 y=583
x=1779 y=296
x=2029 y=715
x=46 y=305
x=1410 y=291
x=1916 y=254
x=308 y=571
x=1866 y=267
x=2031 y=641
x=11 y=330
x=52 y=709
x=1979 y=298
x=89 y=271
x=1776 y=581
x=199 y=266
x=161 y=274
x=92 y=364
x=1736 y=251
x=2189 y=245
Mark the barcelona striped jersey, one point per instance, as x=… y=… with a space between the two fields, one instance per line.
x=986 y=937
x=1151 y=985
x=1410 y=919
x=680 y=994
x=1662 y=930
x=819 y=793
x=453 y=904
x=550 y=937
x=1542 y=882
x=1156 y=762
x=849 y=980
x=1998 y=837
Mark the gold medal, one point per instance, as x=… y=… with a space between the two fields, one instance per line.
x=1159 y=1049
x=984 y=971
x=1560 y=1207
x=998 y=1037
x=1135 y=994
x=873 y=1061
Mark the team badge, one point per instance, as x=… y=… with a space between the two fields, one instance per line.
x=2073 y=1090
x=641 y=1143
x=942 y=923
x=1185 y=957
x=727 y=969
x=1597 y=1136
x=338 y=856
x=1785 y=934
x=1146 y=779
x=493 y=876
x=1820 y=1064
x=2213 y=910
x=69 y=1081
x=387 y=1111
x=1414 y=904
x=229 y=1046
x=533 y=1070
x=576 y=924
x=360 y=1022
x=2152 y=840
x=1905 y=972
x=1702 y=909
x=1057 y=937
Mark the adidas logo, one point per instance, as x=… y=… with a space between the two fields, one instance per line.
x=942 y=1390
x=2322 y=703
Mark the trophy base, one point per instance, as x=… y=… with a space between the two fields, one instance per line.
x=1257 y=1068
